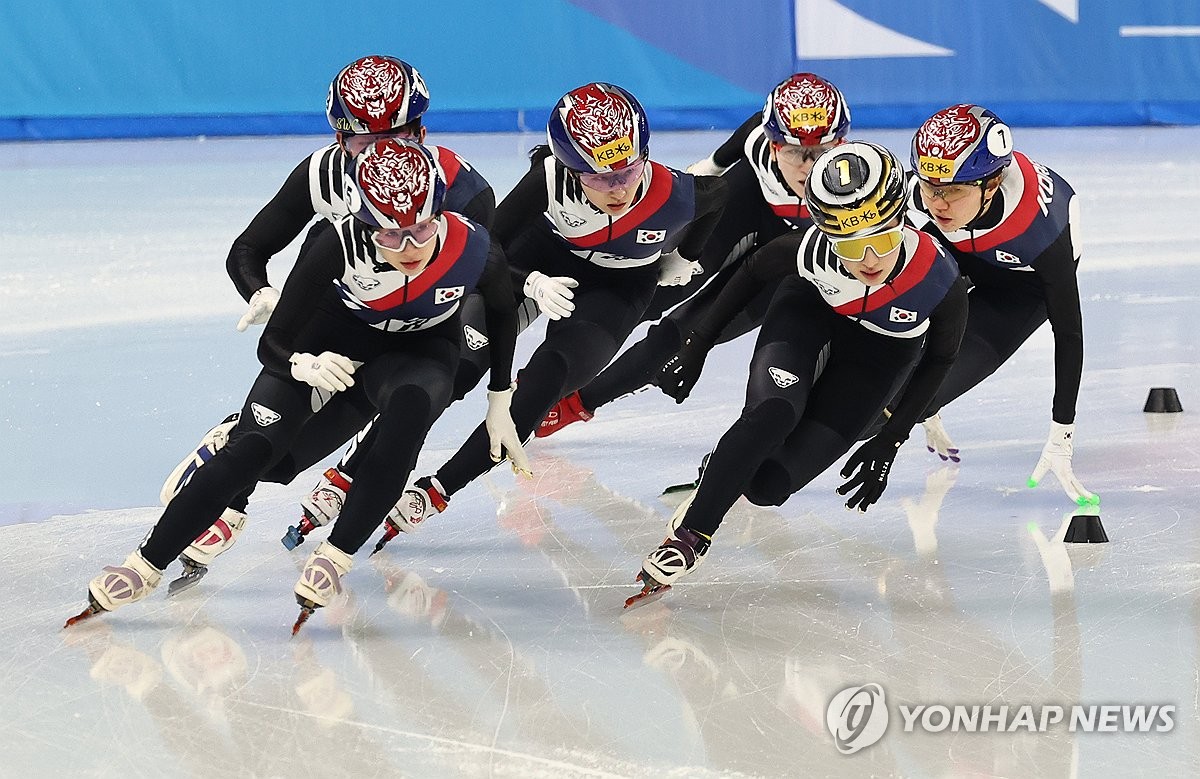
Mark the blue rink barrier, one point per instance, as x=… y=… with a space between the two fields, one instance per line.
x=136 y=68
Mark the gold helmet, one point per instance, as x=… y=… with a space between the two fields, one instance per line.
x=855 y=189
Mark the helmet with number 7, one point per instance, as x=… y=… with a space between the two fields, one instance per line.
x=376 y=94
x=855 y=190
x=806 y=110
x=395 y=183
x=597 y=128
x=962 y=144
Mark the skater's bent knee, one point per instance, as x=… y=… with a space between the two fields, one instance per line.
x=770 y=486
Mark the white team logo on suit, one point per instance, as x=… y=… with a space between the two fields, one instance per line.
x=365 y=283
x=475 y=339
x=902 y=315
x=783 y=378
x=1011 y=259
x=571 y=219
x=263 y=415
x=446 y=294
x=651 y=236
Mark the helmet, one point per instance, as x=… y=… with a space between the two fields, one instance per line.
x=597 y=128
x=855 y=190
x=376 y=94
x=960 y=144
x=807 y=110
x=395 y=183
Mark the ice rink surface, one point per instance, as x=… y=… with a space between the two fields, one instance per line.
x=493 y=643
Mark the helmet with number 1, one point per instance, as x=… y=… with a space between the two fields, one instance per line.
x=376 y=94
x=395 y=183
x=806 y=110
x=855 y=190
x=961 y=144
x=597 y=128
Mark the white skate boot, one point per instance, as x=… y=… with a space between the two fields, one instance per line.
x=423 y=500
x=210 y=444
x=219 y=537
x=680 y=553
x=320 y=580
x=319 y=507
x=119 y=585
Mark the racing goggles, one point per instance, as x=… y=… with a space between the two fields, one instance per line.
x=948 y=193
x=616 y=179
x=397 y=238
x=792 y=154
x=855 y=249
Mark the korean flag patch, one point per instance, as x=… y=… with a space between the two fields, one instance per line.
x=651 y=236
x=446 y=294
x=1005 y=257
x=902 y=315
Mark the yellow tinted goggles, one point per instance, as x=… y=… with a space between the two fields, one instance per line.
x=855 y=249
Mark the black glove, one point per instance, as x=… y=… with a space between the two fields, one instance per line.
x=873 y=461
x=682 y=371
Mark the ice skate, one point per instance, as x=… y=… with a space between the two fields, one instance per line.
x=418 y=503
x=119 y=585
x=216 y=539
x=321 y=580
x=210 y=444
x=566 y=411
x=676 y=488
x=319 y=507
x=678 y=555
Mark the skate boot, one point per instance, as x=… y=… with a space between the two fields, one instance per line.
x=320 y=580
x=569 y=409
x=678 y=555
x=212 y=542
x=424 y=499
x=320 y=507
x=119 y=585
x=674 y=488
x=210 y=444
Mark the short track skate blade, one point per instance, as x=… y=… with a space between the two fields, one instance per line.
x=387 y=536
x=305 y=613
x=674 y=488
x=91 y=611
x=649 y=594
x=292 y=538
x=186 y=582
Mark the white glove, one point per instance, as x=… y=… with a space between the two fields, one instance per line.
x=705 y=167
x=328 y=370
x=937 y=441
x=551 y=293
x=502 y=433
x=1056 y=457
x=262 y=305
x=675 y=270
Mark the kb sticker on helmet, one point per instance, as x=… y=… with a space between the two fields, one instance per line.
x=935 y=167
x=808 y=116
x=613 y=151
x=860 y=219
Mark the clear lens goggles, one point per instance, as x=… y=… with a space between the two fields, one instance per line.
x=354 y=144
x=792 y=154
x=395 y=239
x=855 y=249
x=947 y=193
x=616 y=179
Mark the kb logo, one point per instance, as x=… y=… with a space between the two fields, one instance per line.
x=857 y=717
